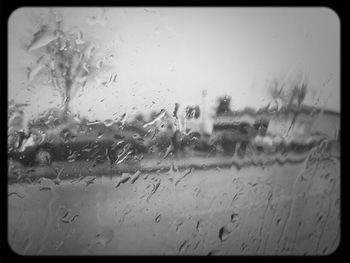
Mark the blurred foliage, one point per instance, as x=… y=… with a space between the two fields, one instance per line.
x=224 y=105
x=68 y=61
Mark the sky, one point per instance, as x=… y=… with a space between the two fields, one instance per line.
x=164 y=56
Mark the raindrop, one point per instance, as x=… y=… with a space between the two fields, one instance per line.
x=135 y=177
x=108 y=122
x=64 y=218
x=105 y=237
x=92 y=123
x=99 y=63
x=157 y=219
x=138 y=158
x=187 y=172
x=27 y=244
x=77 y=180
x=155 y=187
x=197 y=191
x=125 y=212
x=99 y=135
x=199 y=226
x=150 y=10
x=234 y=217
x=160 y=115
x=195 y=247
x=213 y=252
x=178 y=227
x=71 y=158
x=168 y=151
x=15 y=194
x=59 y=173
x=80 y=37
x=319 y=219
x=74 y=217
x=182 y=246
x=58 y=244
x=90 y=181
x=243 y=246
x=45 y=188
x=223 y=233
x=123 y=179
x=66 y=221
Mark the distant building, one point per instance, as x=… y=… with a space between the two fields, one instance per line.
x=308 y=122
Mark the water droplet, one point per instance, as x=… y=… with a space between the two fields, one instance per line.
x=178 y=227
x=92 y=123
x=324 y=251
x=135 y=177
x=187 y=172
x=223 y=233
x=125 y=212
x=213 y=252
x=197 y=191
x=58 y=244
x=196 y=246
x=105 y=237
x=157 y=219
x=27 y=244
x=77 y=180
x=90 y=180
x=45 y=188
x=15 y=194
x=234 y=217
x=71 y=158
x=160 y=115
x=74 y=217
x=199 y=226
x=123 y=179
x=155 y=188
x=108 y=122
x=182 y=246
x=64 y=218
x=319 y=219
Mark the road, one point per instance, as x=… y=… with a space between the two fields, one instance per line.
x=290 y=208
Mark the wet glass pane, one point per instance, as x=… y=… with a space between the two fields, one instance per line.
x=174 y=131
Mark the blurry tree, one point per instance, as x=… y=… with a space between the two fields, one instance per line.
x=65 y=58
x=139 y=120
x=223 y=105
x=291 y=97
x=192 y=112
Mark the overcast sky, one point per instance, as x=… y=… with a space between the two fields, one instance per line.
x=168 y=55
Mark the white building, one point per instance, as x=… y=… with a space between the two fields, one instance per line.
x=307 y=122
